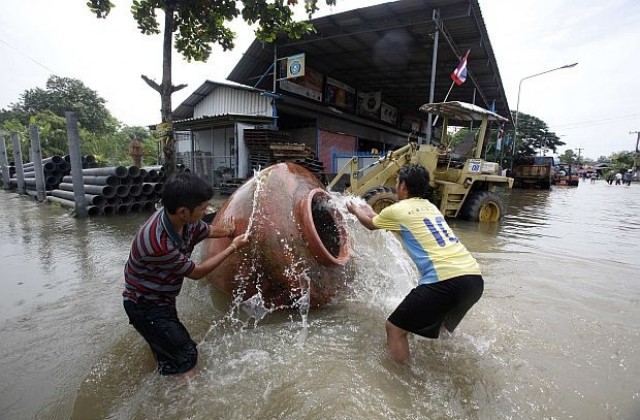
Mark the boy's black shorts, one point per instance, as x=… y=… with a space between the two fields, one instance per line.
x=427 y=307
x=169 y=340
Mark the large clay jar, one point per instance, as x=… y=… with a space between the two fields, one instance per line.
x=299 y=250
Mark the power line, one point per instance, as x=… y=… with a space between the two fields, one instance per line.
x=590 y=123
x=27 y=56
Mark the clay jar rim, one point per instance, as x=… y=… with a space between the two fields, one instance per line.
x=310 y=234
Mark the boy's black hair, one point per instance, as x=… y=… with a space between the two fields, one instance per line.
x=416 y=178
x=185 y=190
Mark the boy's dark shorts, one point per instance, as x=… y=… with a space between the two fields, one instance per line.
x=427 y=307
x=169 y=340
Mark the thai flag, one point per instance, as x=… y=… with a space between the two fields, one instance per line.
x=459 y=75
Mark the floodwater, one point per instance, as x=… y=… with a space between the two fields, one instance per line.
x=556 y=334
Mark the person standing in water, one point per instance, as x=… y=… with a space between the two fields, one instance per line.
x=160 y=259
x=450 y=279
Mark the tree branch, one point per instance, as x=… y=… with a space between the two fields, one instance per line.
x=151 y=83
x=177 y=88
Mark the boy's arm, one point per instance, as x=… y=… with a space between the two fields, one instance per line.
x=364 y=213
x=205 y=267
x=226 y=229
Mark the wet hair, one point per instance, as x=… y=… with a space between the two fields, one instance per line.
x=416 y=178
x=185 y=190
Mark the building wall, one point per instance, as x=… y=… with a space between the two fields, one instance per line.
x=243 y=152
x=331 y=144
x=214 y=153
x=225 y=100
x=308 y=136
x=341 y=124
x=337 y=125
x=220 y=153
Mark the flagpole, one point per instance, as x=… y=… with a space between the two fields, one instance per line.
x=445 y=100
x=450 y=89
x=462 y=65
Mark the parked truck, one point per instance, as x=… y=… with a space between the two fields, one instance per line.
x=566 y=174
x=533 y=172
x=463 y=185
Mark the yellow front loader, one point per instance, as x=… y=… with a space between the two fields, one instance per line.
x=461 y=185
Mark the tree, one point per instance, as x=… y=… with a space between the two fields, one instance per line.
x=199 y=23
x=66 y=94
x=621 y=161
x=534 y=136
x=113 y=148
x=46 y=108
x=568 y=157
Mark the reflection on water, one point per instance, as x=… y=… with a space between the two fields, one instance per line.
x=554 y=336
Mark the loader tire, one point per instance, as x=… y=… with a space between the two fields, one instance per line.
x=483 y=206
x=381 y=197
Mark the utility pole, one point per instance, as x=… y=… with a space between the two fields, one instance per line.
x=635 y=155
x=579 y=149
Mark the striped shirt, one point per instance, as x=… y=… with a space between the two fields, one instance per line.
x=160 y=259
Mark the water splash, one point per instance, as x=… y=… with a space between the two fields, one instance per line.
x=259 y=184
x=300 y=296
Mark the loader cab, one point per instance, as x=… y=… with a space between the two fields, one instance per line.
x=461 y=113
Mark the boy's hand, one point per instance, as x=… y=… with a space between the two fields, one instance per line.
x=240 y=241
x=352 y=207
x=229 y=226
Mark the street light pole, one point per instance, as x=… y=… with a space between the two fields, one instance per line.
x=515 y=125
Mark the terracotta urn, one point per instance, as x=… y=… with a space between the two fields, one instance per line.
x=299 y=254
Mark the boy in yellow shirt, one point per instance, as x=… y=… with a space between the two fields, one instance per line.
x=450 y=279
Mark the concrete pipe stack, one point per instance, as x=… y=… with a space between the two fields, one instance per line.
x=54 y=169
x=12 y=173
x=180 y=167
x=114 y=190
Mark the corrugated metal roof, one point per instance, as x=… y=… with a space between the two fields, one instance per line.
x=389 y=47
x=203 y=123
x=185 y=109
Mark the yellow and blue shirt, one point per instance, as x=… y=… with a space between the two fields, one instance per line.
x=437 y=252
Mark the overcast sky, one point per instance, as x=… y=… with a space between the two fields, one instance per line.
x=592 y=106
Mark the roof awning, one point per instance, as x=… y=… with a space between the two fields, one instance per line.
x=389 y=48
x=461 y=111
x=203 y=123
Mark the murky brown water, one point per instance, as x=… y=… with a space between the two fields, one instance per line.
x=556 y=334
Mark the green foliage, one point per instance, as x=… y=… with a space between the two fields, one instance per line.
x=63 y=94
x=113 y=149
x=100 y=133
x=196 y=24
x=109 y=149
x=45 y=108
x=100 y=7
x=621 y=161
x=51 y=131
x=199 y=23
x=458 y=137
x=534 y=135
x=568 y=157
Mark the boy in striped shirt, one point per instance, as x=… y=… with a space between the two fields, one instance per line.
x=160 y=259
